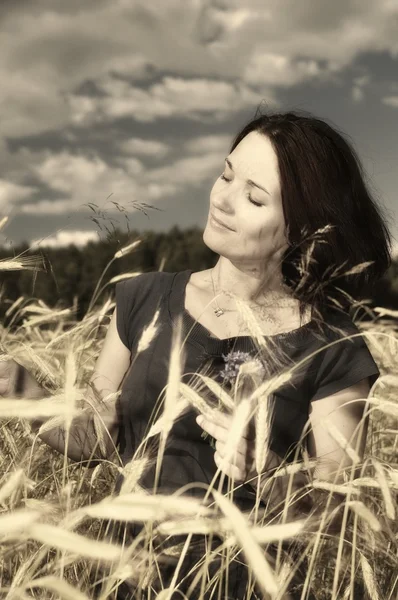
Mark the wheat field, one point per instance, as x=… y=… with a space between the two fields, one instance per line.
x=55 y=513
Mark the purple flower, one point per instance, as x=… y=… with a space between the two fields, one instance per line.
x=232 y=361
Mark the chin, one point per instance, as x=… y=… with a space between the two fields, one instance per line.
x=219 y=249
x=210 y=239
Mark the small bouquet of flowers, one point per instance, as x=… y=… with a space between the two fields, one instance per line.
x=232 y=363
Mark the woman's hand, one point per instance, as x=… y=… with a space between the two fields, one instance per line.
x=242 y=468
x=8 y=375
x=241 y=465
x=17 y=382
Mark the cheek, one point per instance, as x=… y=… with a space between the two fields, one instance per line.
x=264 y=231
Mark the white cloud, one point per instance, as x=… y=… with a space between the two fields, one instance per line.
x=174 y=96
x=269 y=68
x=232 y=20
x=357 y=91
x=131 y=165
x=144 y=147
x=390 y=101
x=65 y=238
x=323 y=38
x=190 y=171
x=220 y=59
x=357 y=94
x=212 y=22
x=134 y=66
x=362 y=80
x=85 y=180
x=50 y=207
x=208 y=143
x=65 y=172
x=48 y=51
x=12 y=193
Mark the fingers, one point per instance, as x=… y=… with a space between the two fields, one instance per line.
x=221 y=428
x=5 y=377
x=239 y=459
x=231 y=470
x=241 y=463
x=226 y=420
x=239 y=468
x=217 y=431
x=4 y=384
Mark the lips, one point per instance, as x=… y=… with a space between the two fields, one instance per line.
x=220 y=222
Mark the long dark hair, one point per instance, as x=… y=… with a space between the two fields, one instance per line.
x=333 y=219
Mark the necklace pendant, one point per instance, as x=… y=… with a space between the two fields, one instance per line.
x=218 y=312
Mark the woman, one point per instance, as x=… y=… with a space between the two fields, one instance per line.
x=286 y=178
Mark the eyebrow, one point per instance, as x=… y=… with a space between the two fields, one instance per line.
x=249 y=181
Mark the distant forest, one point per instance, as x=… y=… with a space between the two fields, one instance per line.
x=69 y=275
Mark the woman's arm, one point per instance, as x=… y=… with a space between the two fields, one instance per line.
x=344 y=411
x=109 y=372
x=83 y=439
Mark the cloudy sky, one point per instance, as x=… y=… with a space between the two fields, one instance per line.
x=137 y=102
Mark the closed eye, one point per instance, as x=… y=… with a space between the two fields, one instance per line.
x=248 y=195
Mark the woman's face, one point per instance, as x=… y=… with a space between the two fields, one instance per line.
x=255 y=215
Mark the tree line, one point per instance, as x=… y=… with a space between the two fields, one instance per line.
x=69 y=275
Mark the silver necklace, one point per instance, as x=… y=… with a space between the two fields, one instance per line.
x=218 y=311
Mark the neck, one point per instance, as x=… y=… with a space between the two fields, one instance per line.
x=249 y=283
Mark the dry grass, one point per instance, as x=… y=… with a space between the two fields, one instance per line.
x=53 y=511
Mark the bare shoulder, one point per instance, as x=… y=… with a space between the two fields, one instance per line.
x=200 y=279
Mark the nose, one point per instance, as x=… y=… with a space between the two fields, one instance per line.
x=225 y=194
x=222 y=204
